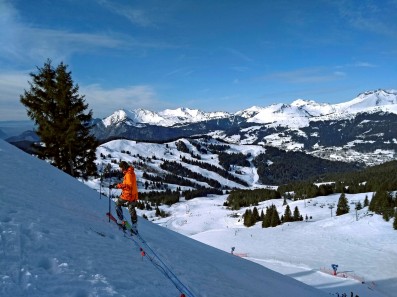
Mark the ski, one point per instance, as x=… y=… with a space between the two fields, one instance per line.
x=126 y=226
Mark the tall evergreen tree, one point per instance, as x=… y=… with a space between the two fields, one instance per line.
x=382 y=203
x=255 y=214
x=297 y=214
x=275 y=219
x=59 y=111
x=287 y=214
x=343 y=205
x=249 y=218
x=267 y=219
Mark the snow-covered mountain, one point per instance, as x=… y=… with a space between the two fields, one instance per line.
x=297 y=114
x=300 y=112
x=166 y=118
x=386 y=100
x=353 y=131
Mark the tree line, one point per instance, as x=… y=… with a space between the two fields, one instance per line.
x=245 y=198
x=213 y=168
x=176 y=167
x=271 y=217
x=289 y=167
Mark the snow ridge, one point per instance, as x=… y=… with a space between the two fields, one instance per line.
x=295 y=115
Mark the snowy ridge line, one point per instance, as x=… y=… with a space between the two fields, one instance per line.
x=161 y=266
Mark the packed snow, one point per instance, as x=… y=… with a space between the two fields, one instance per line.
x=55 y=240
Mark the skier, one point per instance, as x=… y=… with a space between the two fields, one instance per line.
x=129 y=195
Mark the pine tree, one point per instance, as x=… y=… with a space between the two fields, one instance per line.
x=255 y=214
x=267 y=219
x=287 y=215
x=395 y=220
x=366 y=202
x=297 y=214
x=382 y=203
x=247 y=218
x=343 y=205
x=275 y=219
x=58 y=110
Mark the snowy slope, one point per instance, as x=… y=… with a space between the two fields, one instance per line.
x=55 y=241
x=369 y=100
x=117 y=150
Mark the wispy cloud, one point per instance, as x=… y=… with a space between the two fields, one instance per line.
x=36 y=44
x=359 y=64
x=364 y=64
x=183 y=71
x=103 y=101
x=134 y=15
x=12 y=85
x=371 y=16
x=303 y=76
x=238 y=54
x=21 y=43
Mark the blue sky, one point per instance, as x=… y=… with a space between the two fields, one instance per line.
x=208 y=55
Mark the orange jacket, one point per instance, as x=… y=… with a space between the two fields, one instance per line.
x=128 y=186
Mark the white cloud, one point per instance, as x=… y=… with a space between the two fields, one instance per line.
x=340 y=73
x=35 y=44
x=134 y=15
x=22 y=43
x=25 y=44
x=12 y=85
x=369 y=16
x=364 y=64
x=104 y=101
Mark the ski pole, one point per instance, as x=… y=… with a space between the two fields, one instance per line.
x=100 y=181
x=110 y=182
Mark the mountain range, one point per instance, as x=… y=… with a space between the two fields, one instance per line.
x=360 y=130
x=297 y=114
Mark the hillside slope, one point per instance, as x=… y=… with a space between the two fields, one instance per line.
x=56 y=241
